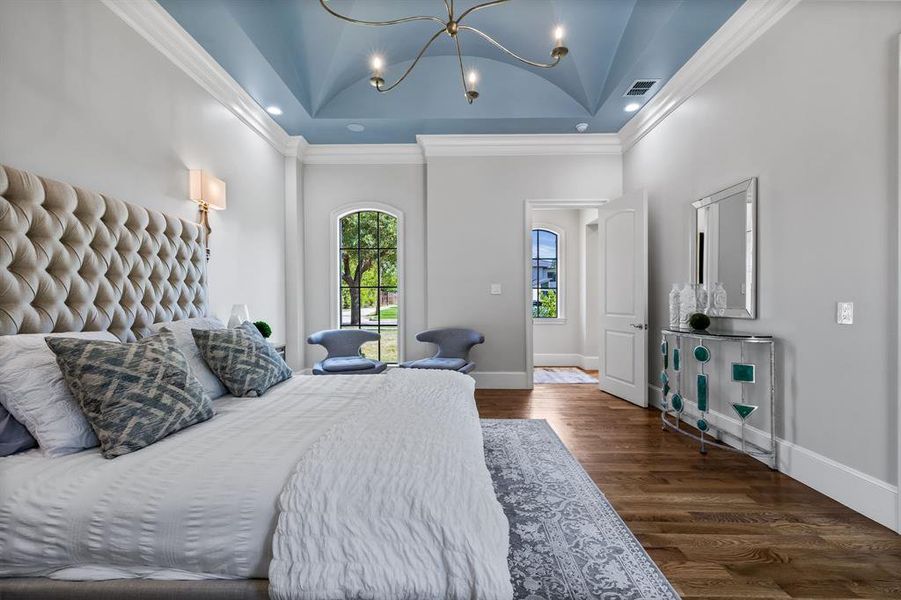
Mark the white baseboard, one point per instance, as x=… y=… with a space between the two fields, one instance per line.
x=501 y=380
x=871 y=497
x=565 y=360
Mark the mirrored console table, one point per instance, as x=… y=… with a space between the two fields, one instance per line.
x=717 y=383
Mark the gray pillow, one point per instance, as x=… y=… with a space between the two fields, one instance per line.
x=13 y=435
x=132 y=394
x=242 y=359
x=182 y=330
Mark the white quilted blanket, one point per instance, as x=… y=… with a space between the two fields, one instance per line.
x=395 y=503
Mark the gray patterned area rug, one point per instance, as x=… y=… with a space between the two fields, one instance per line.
x=561 y=375
x=566 y=541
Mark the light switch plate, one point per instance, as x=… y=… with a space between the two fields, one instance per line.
x=495 y=289
x=844 y=313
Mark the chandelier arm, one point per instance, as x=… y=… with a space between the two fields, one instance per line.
x=416 y=60
x=450 y=10
x=498 y=45
x=379 y=23
x=479 y=7
x=462 y=70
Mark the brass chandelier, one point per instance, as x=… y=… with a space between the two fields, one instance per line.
x=452 y=27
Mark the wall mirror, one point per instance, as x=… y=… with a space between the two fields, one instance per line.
x=724 y=247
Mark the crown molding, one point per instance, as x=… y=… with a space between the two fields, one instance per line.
x=296 y=147
x=363 y=154
x=164 y=33
x=568 y=144
x=747 y=24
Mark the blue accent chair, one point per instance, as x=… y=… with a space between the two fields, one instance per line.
x=344 y=354
x=453 y=344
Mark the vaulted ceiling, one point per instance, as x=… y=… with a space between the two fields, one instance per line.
x=314 y=67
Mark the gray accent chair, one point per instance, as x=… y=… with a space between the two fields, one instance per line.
x=453 y=344
x=344 y=355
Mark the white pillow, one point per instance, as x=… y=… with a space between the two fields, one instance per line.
x=200 y=370
x=33 y=391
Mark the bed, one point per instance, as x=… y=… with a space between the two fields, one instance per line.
x=325 y=487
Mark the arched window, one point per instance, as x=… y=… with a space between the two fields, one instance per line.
x=368 y=274
x=545 y=281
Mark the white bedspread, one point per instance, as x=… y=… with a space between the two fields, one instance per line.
x=199 y=504
x=395 y=503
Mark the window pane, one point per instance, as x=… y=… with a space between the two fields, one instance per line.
x=388 y=232
x=388 y=306
x=547 y=273
x=534 y=302
x=547 y=304
x=349 y=231
x=547 y=244
x=369 y=268
x=369 y=229
x=534 y=243
x=369 y=306
x=347 y=297
x=389 y=268
x=371 y=349
x=348 y=268
x=535 y=272
x=389 y=344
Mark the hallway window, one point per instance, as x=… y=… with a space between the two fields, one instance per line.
x=545 y=284
x=367 y=264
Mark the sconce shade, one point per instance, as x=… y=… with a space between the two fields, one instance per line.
x=204 y=189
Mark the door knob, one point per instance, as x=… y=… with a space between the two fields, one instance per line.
x=638 y=325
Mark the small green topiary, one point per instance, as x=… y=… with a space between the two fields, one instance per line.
x=263 y=328
x=699 y=321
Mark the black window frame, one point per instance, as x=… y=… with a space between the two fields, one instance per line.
x=536 y=284
x=378 y=250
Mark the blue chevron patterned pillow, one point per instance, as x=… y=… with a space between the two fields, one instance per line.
x=242 y=359
x=132 y=394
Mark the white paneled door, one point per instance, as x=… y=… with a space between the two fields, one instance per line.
x=623 y=287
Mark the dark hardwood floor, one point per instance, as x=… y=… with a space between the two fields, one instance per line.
x=721 y=525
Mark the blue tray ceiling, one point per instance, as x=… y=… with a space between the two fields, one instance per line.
x=294 y=55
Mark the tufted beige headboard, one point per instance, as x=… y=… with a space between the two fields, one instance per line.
x=72 y=260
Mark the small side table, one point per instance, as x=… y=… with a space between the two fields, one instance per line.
x=678 y=347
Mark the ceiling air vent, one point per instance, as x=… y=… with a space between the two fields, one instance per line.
x=641 y=87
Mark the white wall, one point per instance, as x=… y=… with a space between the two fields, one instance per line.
x=475 y=237
x=327 y=188
x=87 y=101
x=811 y=109
x=558 y=342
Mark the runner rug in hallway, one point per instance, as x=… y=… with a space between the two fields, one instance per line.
x=561 y=375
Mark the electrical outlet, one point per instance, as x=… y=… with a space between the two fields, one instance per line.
x=844 y=314
x=495 y=289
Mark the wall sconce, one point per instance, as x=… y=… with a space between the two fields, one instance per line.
x=208 y=192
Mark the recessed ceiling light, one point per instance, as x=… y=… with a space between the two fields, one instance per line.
x=632 y=107
x=356 y=127
x=273 y=110
x=581 y=127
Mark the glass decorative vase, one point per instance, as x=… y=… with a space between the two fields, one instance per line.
x=702 y=296
x=674 y=302
x=688 y=304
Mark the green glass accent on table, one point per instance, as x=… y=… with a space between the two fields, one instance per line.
x=702 y=353
x=702 y=392
x=666 y=389
x=703 y=425
x=677 y=359
x=666 y=361
x=743 y=410
x=664 y=350
x=664 y=378
x=677 y=402
x=744 y=373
